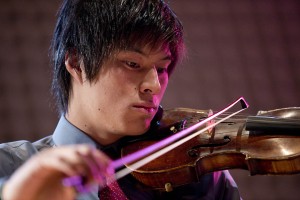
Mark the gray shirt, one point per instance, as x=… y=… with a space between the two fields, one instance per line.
x=217 y=185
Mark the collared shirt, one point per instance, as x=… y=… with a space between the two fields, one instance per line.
x=216 y=185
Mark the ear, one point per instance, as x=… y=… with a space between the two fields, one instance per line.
x=73 y=66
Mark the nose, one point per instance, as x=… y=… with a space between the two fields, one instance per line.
x=151 y=83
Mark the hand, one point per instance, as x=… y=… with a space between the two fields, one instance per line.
x=41 y=176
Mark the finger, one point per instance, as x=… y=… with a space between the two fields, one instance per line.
x=87 y=154
x=67 y=160
x=92 y=164
x=103 y=162
x=99 y=164
x=105 y=171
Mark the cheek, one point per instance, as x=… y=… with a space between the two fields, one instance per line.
x=119 y=86
x=164 y=82
x=100 y=93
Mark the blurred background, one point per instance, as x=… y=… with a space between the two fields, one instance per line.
x=235 y=48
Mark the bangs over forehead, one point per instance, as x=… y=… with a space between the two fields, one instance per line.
x=149 y=24
x=131 y=24
x=152 y=25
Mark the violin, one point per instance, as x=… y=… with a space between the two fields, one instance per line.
x=265 y=144
x=184 y=144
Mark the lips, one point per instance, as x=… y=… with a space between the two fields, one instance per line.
x=149 y=108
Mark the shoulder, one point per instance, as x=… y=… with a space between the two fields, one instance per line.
x=14 y=154
x=224 y=175
x=216 y=185
x=44 y=143
x=22 y=148
x=225 y=186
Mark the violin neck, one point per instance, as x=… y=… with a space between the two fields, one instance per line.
x=274 y=124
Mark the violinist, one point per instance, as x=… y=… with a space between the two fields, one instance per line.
x=112 y=60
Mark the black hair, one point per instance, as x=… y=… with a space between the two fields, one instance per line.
x=95 y=29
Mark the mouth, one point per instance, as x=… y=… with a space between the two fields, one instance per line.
x=148 y=109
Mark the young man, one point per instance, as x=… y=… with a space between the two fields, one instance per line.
x=112 y=60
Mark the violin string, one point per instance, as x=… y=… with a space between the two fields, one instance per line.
x=240 y=116
x=265 y=118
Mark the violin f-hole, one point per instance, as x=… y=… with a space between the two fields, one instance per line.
x=194 y=151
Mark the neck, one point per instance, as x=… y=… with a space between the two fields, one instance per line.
x=100 y=136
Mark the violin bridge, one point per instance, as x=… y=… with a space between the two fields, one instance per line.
x=210 y=113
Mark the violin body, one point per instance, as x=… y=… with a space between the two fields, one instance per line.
x=261 y=150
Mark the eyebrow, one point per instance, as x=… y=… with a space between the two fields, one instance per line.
x=167 y=57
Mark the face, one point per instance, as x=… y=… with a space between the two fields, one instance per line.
x=125 y=96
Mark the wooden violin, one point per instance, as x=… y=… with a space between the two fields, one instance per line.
x=268 y=143
x=188 y=143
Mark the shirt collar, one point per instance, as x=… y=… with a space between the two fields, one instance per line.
x=66 y=134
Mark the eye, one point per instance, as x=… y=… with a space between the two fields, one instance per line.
x=132 y=65
x=162 y=70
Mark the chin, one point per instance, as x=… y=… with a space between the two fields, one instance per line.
x=138 y=130
x=135 y=126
